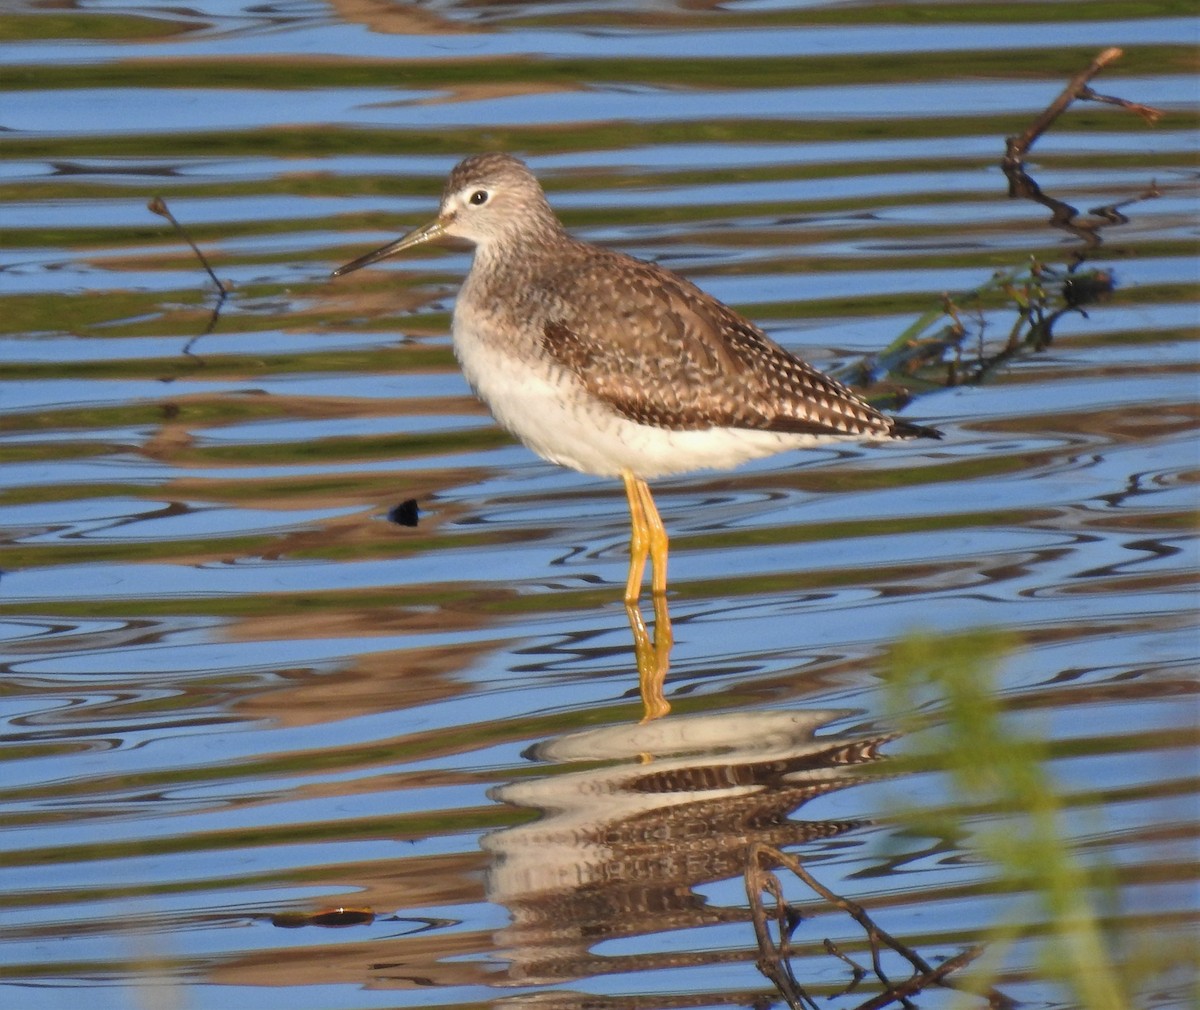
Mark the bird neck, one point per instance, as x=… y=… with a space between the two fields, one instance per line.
x=525 y=251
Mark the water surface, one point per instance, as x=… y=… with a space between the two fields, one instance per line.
x=235 y=693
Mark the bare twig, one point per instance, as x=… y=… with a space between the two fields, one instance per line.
x=1112 y=212
x=774 y=960
x=773 y=963
x=159 y=206
x=1062 y=214
x=851 y=908
x=1148 y=112
x=1077 y=89
x=1016 y=147
x=934 y=349
x=858 y=971
x=936 y=976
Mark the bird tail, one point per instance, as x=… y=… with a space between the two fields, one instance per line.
x=907 y=429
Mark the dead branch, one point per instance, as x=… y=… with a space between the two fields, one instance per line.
x=774 y=960
x=159 y=206
x=858 y=972
x=1016 y=147
x=1148 y=112
x=937 y=976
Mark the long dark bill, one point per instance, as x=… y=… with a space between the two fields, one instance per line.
x=426 y=233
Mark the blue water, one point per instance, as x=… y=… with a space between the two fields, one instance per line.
x=233 y=691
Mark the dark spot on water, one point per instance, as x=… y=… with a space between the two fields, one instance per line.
x=405 y=514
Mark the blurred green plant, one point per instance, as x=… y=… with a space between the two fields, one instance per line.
x=943 y=694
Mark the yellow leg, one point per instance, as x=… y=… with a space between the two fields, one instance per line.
x=639 y=536
x=647 y=538
x=658 y=539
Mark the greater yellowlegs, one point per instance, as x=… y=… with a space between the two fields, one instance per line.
x=614 y=366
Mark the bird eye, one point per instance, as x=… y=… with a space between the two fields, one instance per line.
x=478 y=198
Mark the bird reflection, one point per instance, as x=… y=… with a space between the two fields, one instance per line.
x=653 y=655
x=622 y=849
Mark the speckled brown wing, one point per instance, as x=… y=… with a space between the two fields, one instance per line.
x=664 y=353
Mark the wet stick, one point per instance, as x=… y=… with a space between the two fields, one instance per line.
x=1077 y=89
x=774 y=960
x=159 y=206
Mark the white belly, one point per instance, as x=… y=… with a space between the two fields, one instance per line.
x=546 y=407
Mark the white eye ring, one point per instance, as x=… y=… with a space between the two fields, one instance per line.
x=478 y=198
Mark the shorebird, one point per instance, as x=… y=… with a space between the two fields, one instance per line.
x=618 y=367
